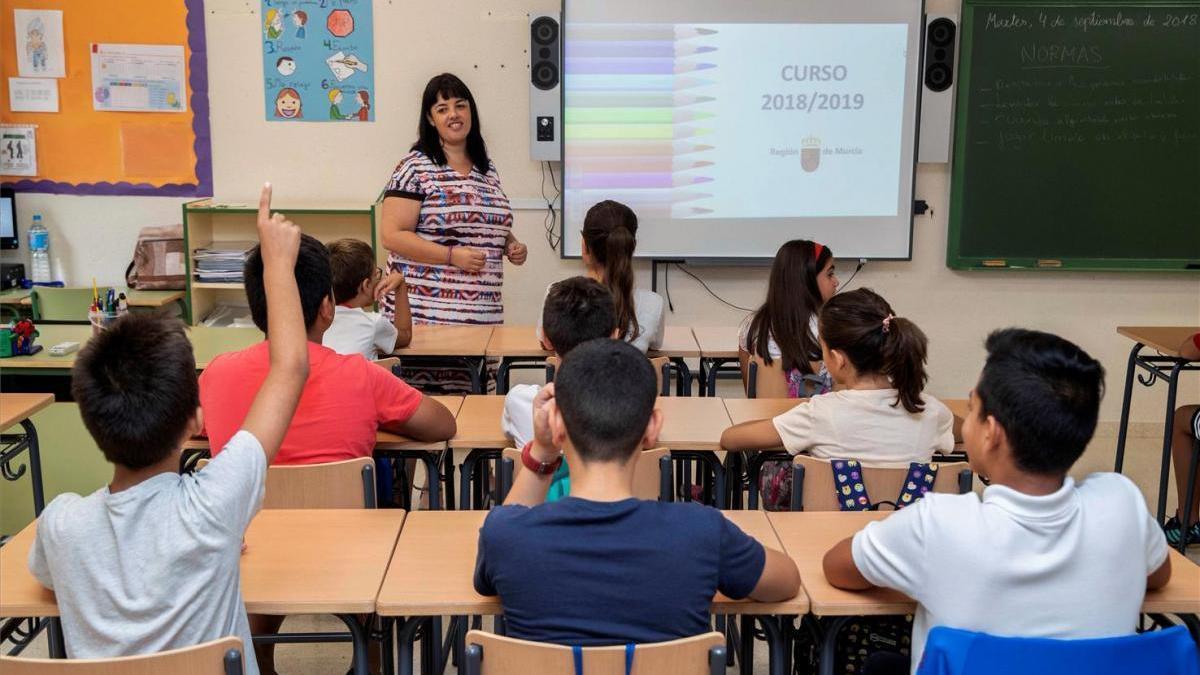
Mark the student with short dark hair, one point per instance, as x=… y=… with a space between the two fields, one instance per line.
x=358 y=283
x=1039 y=555
x=346 y=399
x=576 y=310
x=151 y=561
x=632 y=570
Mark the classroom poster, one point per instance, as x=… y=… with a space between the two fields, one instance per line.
x=39 y=35
x=18 y=150
x=32 y=94
x=318 y=60
x=138 y=78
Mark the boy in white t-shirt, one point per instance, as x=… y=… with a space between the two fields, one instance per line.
x=1039 y=555
x=358 y=283
x=150 y=562
x=576 y=310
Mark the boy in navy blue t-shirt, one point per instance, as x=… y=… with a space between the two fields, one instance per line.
x=602 y=567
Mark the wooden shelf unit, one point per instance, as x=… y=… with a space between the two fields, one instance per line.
x=205 y=222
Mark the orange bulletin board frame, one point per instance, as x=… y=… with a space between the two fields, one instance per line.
x=84 y=151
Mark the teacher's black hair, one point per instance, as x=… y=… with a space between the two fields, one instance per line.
x=448 y=86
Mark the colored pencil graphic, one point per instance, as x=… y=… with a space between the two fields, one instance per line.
x=633 y=100
x=642 y=197
x=663 y=210
x=639 y=164
x=649 y=132
x=626 y=32
x=628 y=83
x=597 y=181
x=632 y=116
x=620 y=66
x=583 y=148
x=636 y=50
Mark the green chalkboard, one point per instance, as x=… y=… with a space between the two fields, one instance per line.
x=1077 y=136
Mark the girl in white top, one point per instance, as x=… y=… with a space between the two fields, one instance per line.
x=609 y=238
x=876 y=413
x=785 y=326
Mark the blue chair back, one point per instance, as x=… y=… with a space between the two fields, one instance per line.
x=950 y=651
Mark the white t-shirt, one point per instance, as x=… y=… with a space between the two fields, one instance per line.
x=772 y=346
x=862 y=424
x=356 y=331
x=647 y=310
x=1072 y=564
x=517 y=420
x=155 y=566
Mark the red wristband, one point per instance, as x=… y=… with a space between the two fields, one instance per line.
x=449 y=254
x=540 y=468
x=1196 y=340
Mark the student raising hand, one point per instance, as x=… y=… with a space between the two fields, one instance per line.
x=271 y=413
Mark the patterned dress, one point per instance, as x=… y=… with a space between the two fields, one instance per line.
x=455 y=211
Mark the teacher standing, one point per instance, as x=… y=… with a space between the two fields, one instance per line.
x=447 y=224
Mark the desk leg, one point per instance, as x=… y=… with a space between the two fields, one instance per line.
x=405 y=637
x=829 y=644
x=1122 y=430
x=465 y=488
x=358 y=637
x=746 y=646
x=447 y=458
x=777 y=644
x=478 y=380
x=54 y=639
x=433 y=478
x=1164 y=476
x=388 y=645
x=502 y=374
x=35 y=466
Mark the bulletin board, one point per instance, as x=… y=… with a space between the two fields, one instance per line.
x=88 y=152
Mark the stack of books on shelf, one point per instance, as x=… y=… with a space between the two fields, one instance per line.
x=221 y=261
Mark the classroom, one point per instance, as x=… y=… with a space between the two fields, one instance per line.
x=938 y=257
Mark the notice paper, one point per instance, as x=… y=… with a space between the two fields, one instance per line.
x=18 y=150
x=138 y=78
x=27 y=94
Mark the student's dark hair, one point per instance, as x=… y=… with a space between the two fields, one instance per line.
x=313 y=277
x=429 y=142
x=136 y=387
x=610 y=232
x=793 y=298
x=577 y=310
x=606 y=391
x=863 y=326
x=1045 y=391
x=351 y=261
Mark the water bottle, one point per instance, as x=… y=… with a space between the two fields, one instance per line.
x=39 y=251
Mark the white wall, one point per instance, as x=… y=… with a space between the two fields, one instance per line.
x=485 y=43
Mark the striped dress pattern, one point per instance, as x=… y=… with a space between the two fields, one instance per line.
x=456 y=210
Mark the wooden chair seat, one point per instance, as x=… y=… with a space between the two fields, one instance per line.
x=813 y=483
x=489 y=654
x=651 y=478
x=219 y=657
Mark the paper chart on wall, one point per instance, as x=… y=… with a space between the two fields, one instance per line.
x=18 y=150
x=32 y=94
x=318 y=61
x=39 y=34
x=138 y=78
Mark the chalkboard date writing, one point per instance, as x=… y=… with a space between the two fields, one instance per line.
x=1088 y=21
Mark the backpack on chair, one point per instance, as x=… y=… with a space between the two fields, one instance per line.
x=158 y=260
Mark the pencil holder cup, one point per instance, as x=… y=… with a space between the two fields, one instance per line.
x=101 y=320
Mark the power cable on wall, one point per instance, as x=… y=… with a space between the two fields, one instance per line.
x=550 y=224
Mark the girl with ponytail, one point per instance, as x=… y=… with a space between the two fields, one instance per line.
x=877 y=413
x=609 y=239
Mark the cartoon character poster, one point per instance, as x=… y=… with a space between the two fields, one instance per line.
x=318 y=60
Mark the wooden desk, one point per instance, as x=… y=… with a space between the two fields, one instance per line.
x=692 y=423
x=807 y=536
x=303 y=561
x=14 y=296
x=520 y=341
x=432 y=575
x=678 y=343
x=17 y=409
x=718 y=346
x=207 y=344
x=479 y=424
x=1165 y=365
x=385 y=440
x=749 y=409
x=438 y=340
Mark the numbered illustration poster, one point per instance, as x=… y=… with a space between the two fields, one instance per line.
x=318 y=60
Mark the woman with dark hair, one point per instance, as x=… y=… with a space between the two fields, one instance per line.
x=447 y=223
x=609 y=238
